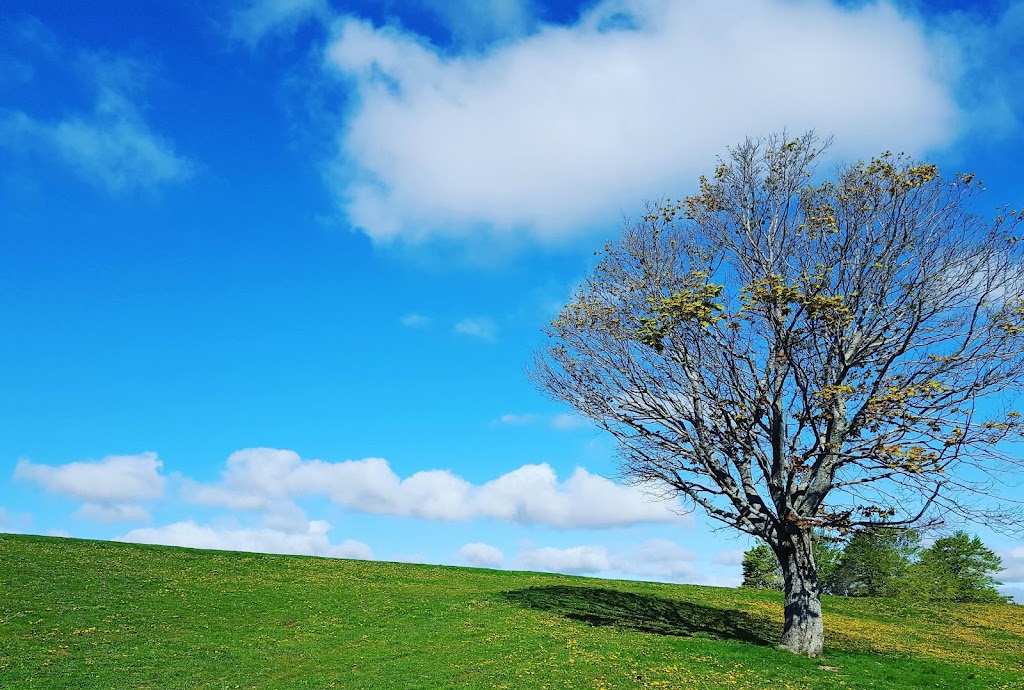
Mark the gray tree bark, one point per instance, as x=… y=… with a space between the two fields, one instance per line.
x=804 y=630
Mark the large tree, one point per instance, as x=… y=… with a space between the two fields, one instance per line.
x=790 y=354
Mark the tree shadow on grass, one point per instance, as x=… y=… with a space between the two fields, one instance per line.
x=645 y=613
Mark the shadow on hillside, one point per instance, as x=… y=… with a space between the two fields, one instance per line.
x=644 y=613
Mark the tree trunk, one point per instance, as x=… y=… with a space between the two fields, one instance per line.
x=804 y=632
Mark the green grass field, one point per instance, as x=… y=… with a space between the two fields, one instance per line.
x=85 y=614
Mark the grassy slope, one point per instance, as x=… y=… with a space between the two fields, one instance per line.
x=81 y=614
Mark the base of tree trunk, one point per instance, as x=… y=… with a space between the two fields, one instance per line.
x=804 y=632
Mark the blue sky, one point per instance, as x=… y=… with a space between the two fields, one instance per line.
x=272 y=270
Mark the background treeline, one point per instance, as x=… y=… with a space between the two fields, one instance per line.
x=891 y=563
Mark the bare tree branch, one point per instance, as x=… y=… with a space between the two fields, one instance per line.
x=790 y=355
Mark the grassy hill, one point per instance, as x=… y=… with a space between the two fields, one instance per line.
x=85 y=614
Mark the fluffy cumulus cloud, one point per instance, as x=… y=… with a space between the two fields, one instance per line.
x=565 y=127
x=257 y=478
x=654 y=559
x=111 y=489
x=311 y=541
x=482 y=555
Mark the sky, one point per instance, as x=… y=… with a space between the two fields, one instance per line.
x=273 y=270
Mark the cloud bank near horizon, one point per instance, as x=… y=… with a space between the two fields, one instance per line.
x=269 y=481
x=256 y=479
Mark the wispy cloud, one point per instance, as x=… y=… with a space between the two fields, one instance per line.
x=986 y=49
x=559 y=422
x=414 y=320
x=111 y=146
x=516 y=419
x=477 y=327
x=730 y=557
x=118 y=512
x=475 y=23
x=543 y=136
x=257 y=19
x=569 y=422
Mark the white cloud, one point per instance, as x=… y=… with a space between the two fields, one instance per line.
x=577 y=559
x=311 y=541
x=533 y=494
x=730 y=557
x=482 y=555
x=116 y=479
x=415 y=321
x=259 y=18
x=654 y=559
x=516 y=419
x=259 y=478
x=566 y=127
x=558 y=422
x=569 y=422
x=478 y=327
x=657 y=558
x=1013 y=565
x=118 y=512
x=285 y=516
x=478 y=22
x=1016 y=592
x=112 y=146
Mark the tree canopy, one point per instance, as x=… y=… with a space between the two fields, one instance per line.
x=789 y=354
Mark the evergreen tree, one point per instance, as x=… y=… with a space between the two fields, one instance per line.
x=874 y=563
x=761 y=568
x=956 y=568
x=827 y=553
